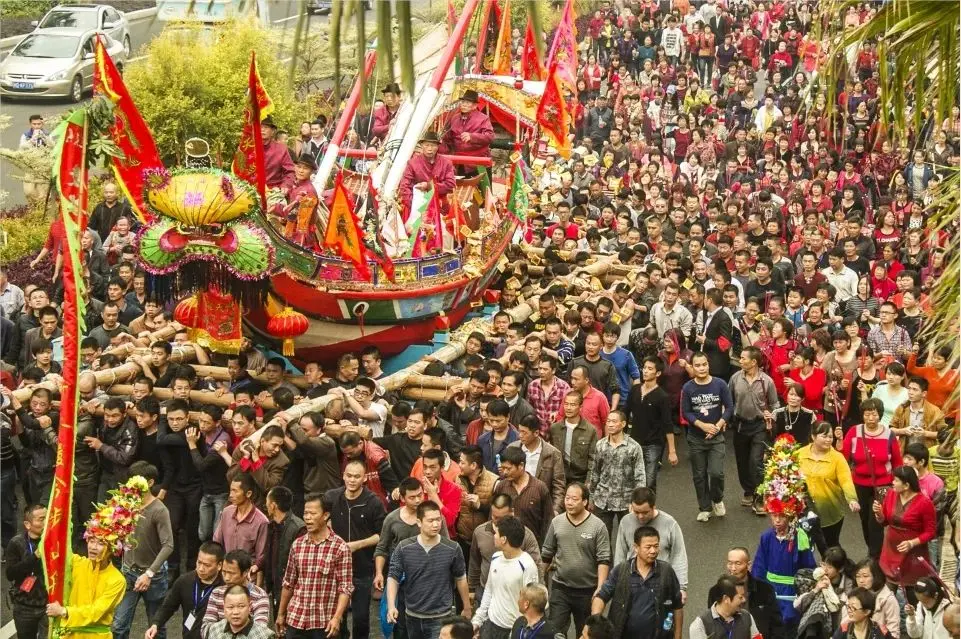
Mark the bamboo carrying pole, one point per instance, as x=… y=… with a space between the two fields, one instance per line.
x=123 y=373
x=221 y=400
x=220 y=374
x=161 y=334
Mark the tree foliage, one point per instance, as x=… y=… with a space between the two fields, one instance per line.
x=193 y=84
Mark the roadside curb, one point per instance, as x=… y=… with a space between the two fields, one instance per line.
x=134 y=16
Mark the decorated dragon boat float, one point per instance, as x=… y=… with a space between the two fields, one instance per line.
x=211 y=241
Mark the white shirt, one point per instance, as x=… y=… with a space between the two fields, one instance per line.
x=376 y=426
x=11 y=300
x=845 y=281
x=533 y=458
x=504 y=583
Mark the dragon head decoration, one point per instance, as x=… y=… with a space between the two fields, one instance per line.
x=202 y=236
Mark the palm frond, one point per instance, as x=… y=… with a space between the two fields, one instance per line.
x=336 y=16
x=385 y=41
x=406 y=46
x=918 y=39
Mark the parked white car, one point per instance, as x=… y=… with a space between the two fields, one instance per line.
x=89 y=17
x=55 y=63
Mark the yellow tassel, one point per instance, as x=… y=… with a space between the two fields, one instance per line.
x=288 y=348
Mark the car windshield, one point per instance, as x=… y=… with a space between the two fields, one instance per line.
x=39 y=45
x=70 y=19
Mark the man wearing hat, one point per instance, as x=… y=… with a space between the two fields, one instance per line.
x=301 y=211
x=425 y=168
x=469 y=131
x=278 y=166
x=384 y=114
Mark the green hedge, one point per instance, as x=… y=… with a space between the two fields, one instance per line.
x=25 y=234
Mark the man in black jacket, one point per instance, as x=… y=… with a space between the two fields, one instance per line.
x=25 y=572
x=190 y=592
x=116 y=443
x=185 y=488
x=283 y=529
x=761 y=600
x=106 y=214
x=357 y=515
x=717 y=336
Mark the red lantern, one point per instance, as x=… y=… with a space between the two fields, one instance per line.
x=492 y=296
x=286 y=325
x=186 y=314
x=442 y=323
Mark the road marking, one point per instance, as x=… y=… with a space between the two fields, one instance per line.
x=131 y=60
x=293 y=17
x=8 y=631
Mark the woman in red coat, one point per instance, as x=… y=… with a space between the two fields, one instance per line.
x=909 y=522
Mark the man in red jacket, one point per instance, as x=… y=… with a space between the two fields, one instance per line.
x=278 y=166
x=384 y=114
x=469 y=131
x=425 y=168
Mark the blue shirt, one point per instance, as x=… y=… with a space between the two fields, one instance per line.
x=492 y=448
x=625 y=367
x=707 y=403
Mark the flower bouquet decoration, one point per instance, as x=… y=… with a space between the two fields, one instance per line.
x=783 y=489
x=114 y=522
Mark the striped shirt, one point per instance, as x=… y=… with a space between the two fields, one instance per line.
x=259 y=607
x=427 y=575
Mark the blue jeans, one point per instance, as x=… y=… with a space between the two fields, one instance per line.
x=420 y=628
x=152 y=598
x=210 y=508
x=653 y=454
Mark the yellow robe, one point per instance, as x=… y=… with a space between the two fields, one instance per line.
x=95 y=594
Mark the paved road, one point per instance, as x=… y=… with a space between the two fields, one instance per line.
x=282 y=15
x=706 y=542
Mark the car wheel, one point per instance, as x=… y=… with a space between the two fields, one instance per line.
x=76 y=89
x=126 y=46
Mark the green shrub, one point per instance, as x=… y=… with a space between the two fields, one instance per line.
x=24 y=235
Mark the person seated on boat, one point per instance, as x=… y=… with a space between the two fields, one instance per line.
x=424 y=169
x=384 y=114
x=278 y=166
x=302 y=215
x=469 y=132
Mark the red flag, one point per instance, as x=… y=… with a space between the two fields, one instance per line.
x=564 y=50
x=129 y=132
x=531 y=66
x=502 y=50
x=344 y=235
x=249 y=159
x=70 y=172
x=552 y=114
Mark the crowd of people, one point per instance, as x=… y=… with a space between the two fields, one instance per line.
x=780 y=270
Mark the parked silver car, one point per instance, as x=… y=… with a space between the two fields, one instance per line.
x=54 y=63
x=88 y=17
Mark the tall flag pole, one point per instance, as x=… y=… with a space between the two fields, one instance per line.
x=129 y=132
x=248 y=161
x=70 y=174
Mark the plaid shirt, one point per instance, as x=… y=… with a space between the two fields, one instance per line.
x=899 y=344
x=546 y=406
x=317 y=573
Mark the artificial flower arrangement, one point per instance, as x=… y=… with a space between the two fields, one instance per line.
x=114 y=522
x=784 y=489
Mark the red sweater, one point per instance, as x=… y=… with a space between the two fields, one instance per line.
x=885 y=453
